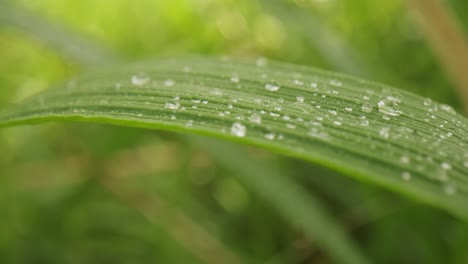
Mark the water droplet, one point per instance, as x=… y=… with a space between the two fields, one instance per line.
x=300 y=99
x=169 y=83
x=364 y=122
x=406 y=176
x=389 y=106
x=255 y=119
x=427 y=102
x=405 y=159
x=270 y=136
x=336 y=83
x=238 y=129
x=298 y=82
x=337 y=123
x=172 y=105
x=291 y=126
x=448 y=109
x=449 y=189
x=367 y=108
x=235 y=79
x=262 y=61
x=333 y=112
x=272 y=87
x=349 y=109
x=140 y=79
x=384 y=132
x=446 y=166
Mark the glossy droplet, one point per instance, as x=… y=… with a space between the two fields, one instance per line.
x=405 y=159
x=262 y=62
x=448 y=109
x=270 y=136
x=300 y=99
x=272 y=87
x=336 y=83
x=172 y=105
x=169 y=83
x=238 y=129
x=446 y=166
x=140 y=79
x=449 y=189
x=235 y=79
x=255 y=119
x=406 y=176
x=384 y=132
x=389 y=106
x=367 y=108
x=427 y=102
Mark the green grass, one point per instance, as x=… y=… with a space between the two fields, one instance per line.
x=360 y=149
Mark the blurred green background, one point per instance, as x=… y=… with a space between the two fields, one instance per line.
x=87 y=193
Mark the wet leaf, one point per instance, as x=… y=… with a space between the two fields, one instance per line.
x=368 y=131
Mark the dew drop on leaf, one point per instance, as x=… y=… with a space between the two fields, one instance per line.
x=270 y=136
x=238 y=129
x=254 y=118
x=169 y=83
x=272 y=87
x=406 y=176
x=235 y=79
x=448 y=109
x=140 y=79
x=389 y=106
x=367 y=108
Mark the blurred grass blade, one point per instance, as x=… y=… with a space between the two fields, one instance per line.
x=448 y=41
x=330 y=45
x=289 y=198
x=72 y=46
x=365 y=130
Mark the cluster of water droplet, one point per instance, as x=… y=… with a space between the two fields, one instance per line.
x=299 y=109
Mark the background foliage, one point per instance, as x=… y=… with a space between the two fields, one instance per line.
x=74 y=193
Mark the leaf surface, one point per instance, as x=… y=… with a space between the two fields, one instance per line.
x=362 y=129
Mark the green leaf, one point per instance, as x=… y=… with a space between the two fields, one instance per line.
x=362 y=129
x=288 y=197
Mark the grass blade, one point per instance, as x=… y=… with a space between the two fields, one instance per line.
x=289 y=198
x=365 y=130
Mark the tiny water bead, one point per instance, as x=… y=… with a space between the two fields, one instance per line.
x=427 y=102
x=261 y=62
x=238 y=129
x=270 y=136
x=446 y=166
x=254 y=118
x=169 y=83
x=405 y=159
x=448 y=109
x=172 y=105
x=389 y=106
x=235 y=79
x=272 y=87
x=140 y=79
x=367 y=108
x=336 y=83
x=406 y=176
